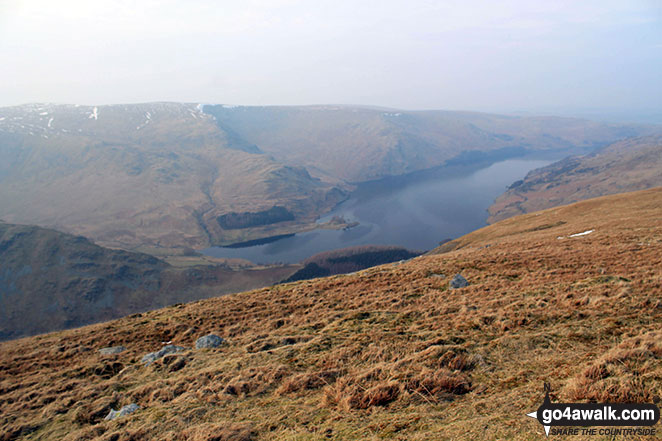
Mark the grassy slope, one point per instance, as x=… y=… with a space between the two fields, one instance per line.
x=388 y=353
x=633 y=164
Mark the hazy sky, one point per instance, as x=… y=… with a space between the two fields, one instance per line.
x=467 y=54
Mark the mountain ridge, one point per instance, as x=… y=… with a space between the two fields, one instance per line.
x=153 y=174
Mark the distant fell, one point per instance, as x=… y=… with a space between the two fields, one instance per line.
x=145 y=176
x=358 y=144
x=628 y=165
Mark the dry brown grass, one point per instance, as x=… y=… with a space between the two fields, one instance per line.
x=630 y=372
x=388 y=353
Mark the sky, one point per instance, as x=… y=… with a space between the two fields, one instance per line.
x=560 y=56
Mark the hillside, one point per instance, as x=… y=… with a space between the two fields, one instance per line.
x=145 y=176
x=51 y=280
x=358 y=144
x=349 y=260
x=629 y=165
x=388 y=353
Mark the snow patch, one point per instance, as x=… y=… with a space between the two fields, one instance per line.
x=583 y=233
x=43 y=113
x=2 y=119
x=94 y=114
x=50 y=123
x=229 y=106
x=148 y=118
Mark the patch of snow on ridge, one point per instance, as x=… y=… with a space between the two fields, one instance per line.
x=50 y=123
x=148 y=117
x=94 y=114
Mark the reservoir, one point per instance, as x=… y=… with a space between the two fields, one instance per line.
x=415 y=211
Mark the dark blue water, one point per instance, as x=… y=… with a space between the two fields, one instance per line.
x=415 y=211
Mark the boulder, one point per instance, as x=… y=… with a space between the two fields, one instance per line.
x=153 y=356
x=112 y=350
x=208 y=341
x=458 y=282
x=123 y=411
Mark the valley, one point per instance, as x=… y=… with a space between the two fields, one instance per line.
x=164 y=178
x=388 y=352
x=330 y=221
x=415 y=211
x=149 y=205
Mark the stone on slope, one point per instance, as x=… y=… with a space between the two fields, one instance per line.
x=458 y=282
x=153 y=356
x=112 y=350
x=123 y=411
x=208 y=341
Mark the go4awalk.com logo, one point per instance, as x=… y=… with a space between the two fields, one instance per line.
x=591 y=418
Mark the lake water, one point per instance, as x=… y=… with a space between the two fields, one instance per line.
x=415 y=211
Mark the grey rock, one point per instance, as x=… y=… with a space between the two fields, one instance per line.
x=458 y=281
x=153 y=356
x=208 y=341
x=112 y=350
x=123 y=411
